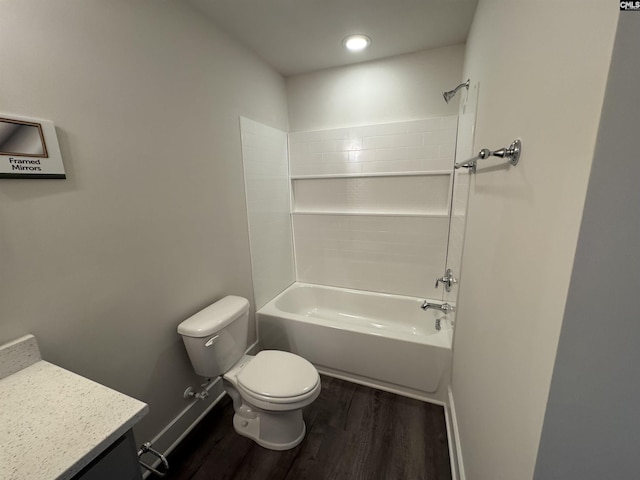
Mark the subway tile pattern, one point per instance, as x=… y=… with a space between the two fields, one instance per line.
x=419 y=194
x=401 y=255
x=416 y=146
x=385 y=230
x=266 y=172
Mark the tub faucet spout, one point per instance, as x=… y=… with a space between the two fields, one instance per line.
x=445 y=307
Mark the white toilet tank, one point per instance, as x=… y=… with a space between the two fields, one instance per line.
x=216 y=337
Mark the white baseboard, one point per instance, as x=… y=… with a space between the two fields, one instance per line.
x=455 y=451
x=451 y=444
x=177 y=429
x=171 y=435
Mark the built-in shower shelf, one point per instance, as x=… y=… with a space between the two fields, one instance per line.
x=366 y=175
x=415 y=195
x=373 y=214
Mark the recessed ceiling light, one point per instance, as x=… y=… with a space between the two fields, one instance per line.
x=356 y=43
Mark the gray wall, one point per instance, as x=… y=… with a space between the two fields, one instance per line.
x=395 y=89
x=150 y=225
x=542 y=70
x=592 y=426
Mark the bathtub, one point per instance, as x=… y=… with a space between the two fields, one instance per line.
x=386 y=341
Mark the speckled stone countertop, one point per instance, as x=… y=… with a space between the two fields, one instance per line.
x=54 y=422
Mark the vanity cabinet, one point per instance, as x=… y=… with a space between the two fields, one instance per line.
x=118 y=461
x=57 y=425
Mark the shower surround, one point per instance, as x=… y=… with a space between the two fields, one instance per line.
x=370 y=205
x=368 y=209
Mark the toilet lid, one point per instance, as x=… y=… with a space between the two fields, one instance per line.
x=278 y=374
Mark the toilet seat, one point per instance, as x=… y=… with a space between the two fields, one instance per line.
x=275 y=380
x=281 y=400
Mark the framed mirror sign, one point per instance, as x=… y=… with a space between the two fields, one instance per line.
x=29 y=148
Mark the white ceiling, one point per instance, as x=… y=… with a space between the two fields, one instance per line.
x=299 y=36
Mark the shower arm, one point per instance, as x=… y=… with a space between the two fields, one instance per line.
x=511 y=153
x=465 y=84
x=452 y=93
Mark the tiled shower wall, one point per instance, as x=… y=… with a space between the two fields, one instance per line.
x=370 y=205
x=266 y=174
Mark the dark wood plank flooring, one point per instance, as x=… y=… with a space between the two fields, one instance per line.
x=353 y=432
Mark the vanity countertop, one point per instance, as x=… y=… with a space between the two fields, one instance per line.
x=54 y=422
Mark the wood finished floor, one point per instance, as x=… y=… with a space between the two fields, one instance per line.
x=353 y=433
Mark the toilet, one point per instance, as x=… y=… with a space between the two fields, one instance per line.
x=268 y=390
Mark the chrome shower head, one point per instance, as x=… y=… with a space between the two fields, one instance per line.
x=452 y=93
x=449 y=95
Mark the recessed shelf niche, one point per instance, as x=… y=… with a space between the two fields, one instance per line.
x=426 y=194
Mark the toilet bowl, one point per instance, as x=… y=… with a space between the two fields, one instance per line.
x=268 y=390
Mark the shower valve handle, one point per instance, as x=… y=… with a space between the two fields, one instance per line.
x=449 y=280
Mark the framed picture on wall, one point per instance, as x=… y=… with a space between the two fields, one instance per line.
x=29 y=148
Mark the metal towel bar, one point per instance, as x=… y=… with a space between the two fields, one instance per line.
x=511 y=153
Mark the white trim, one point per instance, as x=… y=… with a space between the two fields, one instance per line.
x=370 y=214
x=379 y=385
x=193 y=424
x=166 y=431
x=168 y=436
x=363 y=175
x=291 y=204
x=457 y=462
x=450 y=443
